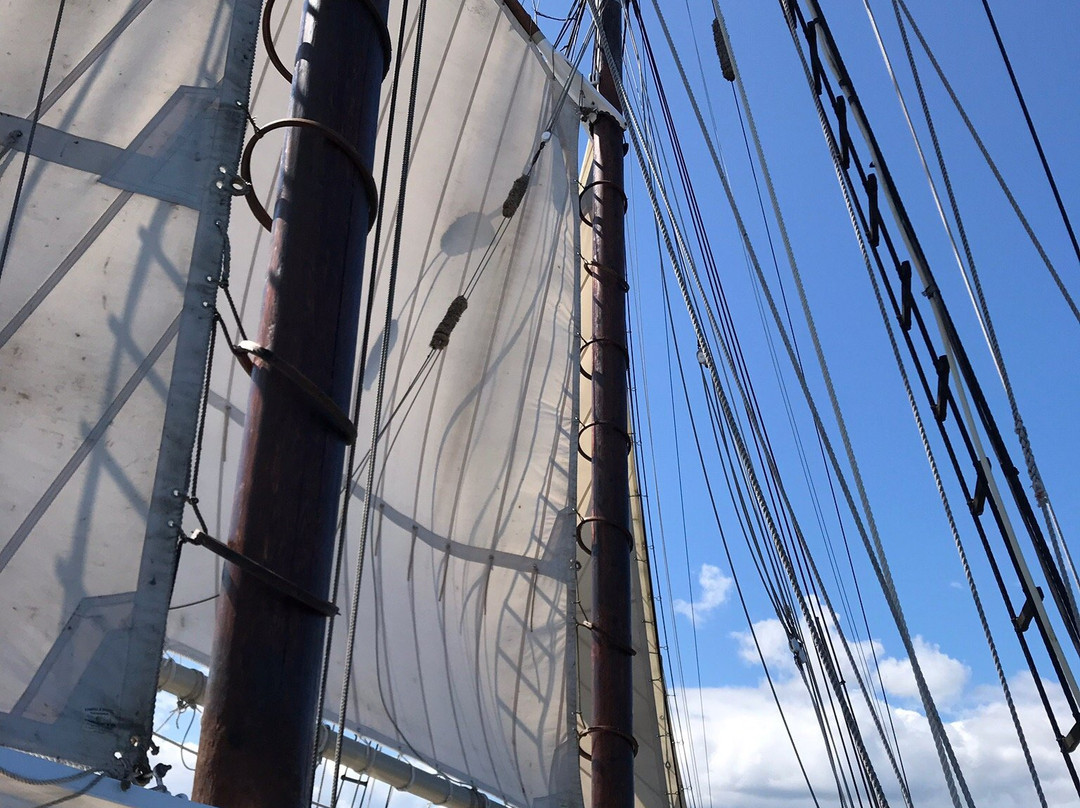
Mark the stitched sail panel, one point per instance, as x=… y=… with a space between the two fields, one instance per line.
x=464 y=647
x=101 y=331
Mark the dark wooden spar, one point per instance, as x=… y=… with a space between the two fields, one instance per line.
x=613 y=745
x=258 y=730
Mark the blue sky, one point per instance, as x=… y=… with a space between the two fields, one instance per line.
x=1034 y=326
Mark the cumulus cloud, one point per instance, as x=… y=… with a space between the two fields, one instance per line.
x=714 y=591
x=945 y=676
x=744 y=757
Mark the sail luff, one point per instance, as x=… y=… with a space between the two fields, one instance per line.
x=105 y=320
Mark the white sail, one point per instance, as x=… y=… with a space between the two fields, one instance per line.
x=464 y=643
x=103 y=335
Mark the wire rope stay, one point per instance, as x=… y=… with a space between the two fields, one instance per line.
x=648 y=168
x=30 y=137
x=367 y=180
x=955 y=354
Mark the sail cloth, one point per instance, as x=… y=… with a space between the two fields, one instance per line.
x=464 y=646
x=103 y=330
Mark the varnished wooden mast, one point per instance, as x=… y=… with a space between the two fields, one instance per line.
x=258 y=735
x=612 y=727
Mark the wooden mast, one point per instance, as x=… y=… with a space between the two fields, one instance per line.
x=258 y=731
x=612 y=731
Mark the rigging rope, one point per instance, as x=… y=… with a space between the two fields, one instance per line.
x=893 y=604
x=648 y=169
x=787 y=505
x=941 y=740
x=9 y=233
x=1041 y=497
x=339 y=557
x=727 y=551
x=991 y=164
x=973 y=284
x=1031 y=128
x=796 y=360
x=354 y=608
x=972 y=443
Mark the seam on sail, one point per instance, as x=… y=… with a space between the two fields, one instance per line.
x=65 y=266
x=92 y=439
x=93 y=55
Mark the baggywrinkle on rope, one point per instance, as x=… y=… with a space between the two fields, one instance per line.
x=441 y=338
x=726 y=67
x=517 y=193
x=521 y=184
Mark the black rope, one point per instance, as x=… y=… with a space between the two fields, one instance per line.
x=362 y=370
x=1031 y=128
x=775 y=488
x=73 y=794
x=381 y=383
x=30 y=138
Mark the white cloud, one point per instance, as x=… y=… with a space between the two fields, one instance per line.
x=773 y=643
x=738 y=732
x=714 y=591
x=946 y=677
